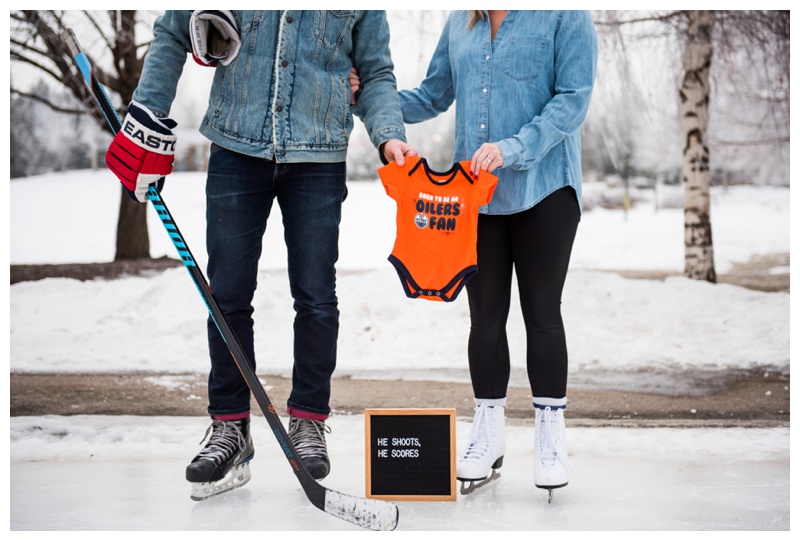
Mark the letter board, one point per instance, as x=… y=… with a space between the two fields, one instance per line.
x=410 y=454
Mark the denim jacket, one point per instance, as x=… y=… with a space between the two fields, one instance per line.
x=527 y=90
x=286 y=95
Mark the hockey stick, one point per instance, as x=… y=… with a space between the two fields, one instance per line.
x=367 y=513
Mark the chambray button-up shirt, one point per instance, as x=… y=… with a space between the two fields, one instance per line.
x=528 y=90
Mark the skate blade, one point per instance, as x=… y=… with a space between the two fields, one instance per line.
x=235 y=478
x=550 y=490
x=469 y=485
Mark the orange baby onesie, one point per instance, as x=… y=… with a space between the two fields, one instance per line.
x=437 y=225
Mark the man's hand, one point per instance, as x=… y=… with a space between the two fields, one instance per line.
x=142 y=151
x=215 y=37
x=394 y=150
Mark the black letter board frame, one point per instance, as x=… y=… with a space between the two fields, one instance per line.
x=410 y=454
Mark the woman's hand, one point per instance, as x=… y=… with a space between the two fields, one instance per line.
x=355 y=85
x=487 y=157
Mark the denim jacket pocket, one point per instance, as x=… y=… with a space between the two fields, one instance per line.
x=333 y=26
x=523 y=57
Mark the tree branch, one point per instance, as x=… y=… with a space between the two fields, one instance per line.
x=27 y=47
x=760 y=142
x=36 y=64
x=96 y=26
x=47 y=102
x=666 y=18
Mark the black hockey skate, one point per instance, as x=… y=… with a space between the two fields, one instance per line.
x=224 y=463
x=308 y=438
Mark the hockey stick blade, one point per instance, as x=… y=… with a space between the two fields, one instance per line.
x=370 y=514
x=367 y=513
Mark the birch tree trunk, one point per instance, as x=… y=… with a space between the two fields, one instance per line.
x=694 y=97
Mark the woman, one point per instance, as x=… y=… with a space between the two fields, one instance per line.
x=522 y=81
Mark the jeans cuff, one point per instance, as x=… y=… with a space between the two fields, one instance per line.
x=294 y=412
x=231 y=416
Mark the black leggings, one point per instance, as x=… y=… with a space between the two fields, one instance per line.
x=536 y=245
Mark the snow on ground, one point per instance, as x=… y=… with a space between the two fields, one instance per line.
x=151 y=323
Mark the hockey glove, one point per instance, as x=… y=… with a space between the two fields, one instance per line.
x=215 y=37
x=142 y=152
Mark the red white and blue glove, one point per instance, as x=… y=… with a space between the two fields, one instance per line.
x=142 y=152
x=215 y=37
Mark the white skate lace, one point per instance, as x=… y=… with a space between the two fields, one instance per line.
x=226 y=439
x=547 y=437
x=479 y=437
x=308 y=437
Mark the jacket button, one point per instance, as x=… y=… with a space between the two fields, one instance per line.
x=282 y=153
x=284 y=63
x=289 y=20
x=279 y=108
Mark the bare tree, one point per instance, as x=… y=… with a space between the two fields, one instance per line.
x=36 y=44
x=705 y=38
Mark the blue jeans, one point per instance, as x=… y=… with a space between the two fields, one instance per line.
x=239 y=194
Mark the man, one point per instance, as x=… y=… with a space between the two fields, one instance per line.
x=279 y=120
